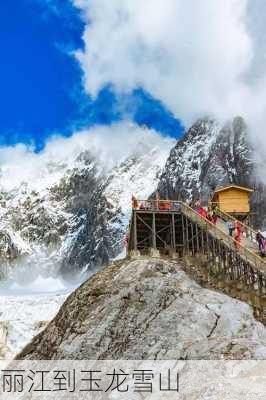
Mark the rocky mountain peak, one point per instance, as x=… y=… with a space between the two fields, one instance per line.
x=209 y=155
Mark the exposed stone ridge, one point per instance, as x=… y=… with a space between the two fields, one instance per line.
x=149 y=309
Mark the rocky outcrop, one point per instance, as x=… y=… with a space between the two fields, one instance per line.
x=208 y=156
x=94 y=226
x=149 y=309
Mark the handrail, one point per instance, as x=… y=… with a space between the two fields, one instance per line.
x=245 y=226
x=160 y=205
x=244 y=251
x=247 y=252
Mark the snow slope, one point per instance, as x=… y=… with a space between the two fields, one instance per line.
x=138 y=174
x=24 y=316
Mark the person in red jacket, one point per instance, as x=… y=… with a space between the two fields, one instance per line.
x=202 y=212
x=134 y=202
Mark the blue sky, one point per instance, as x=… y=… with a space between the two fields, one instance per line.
x=41 y=83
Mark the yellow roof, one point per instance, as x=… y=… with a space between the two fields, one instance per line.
x=222 y=189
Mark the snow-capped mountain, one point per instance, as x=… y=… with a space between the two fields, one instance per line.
x=138 y=174
x=211 y=155
x=65 y=212
x=71 y=217
x=208 y=155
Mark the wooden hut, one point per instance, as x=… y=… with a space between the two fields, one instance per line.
x=233 y=200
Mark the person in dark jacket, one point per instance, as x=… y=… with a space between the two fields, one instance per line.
x=260 y=240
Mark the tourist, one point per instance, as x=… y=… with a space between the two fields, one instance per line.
x=263 y=251
x=134 y=202
x=237 y=234
x=230 y=226
x=214 y=218
x=126 y=240
x=142 y=206
x=197 y=206
x=210 y=215
x=261 y=242
x=202 y=212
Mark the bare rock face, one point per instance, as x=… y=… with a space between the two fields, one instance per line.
x=149 y=309
x=69 y=224
x=208 y=155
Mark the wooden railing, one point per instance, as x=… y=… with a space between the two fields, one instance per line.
x=257 y=261
x=250 y=232
x=175 y=206
x=156 y=205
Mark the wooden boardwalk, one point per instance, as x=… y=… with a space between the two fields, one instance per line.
x=176 y=230
x=246 y=241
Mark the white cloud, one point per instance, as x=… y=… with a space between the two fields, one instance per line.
x=110 y=144
x=197 y=57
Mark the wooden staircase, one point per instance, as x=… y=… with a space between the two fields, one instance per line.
x=178 y=230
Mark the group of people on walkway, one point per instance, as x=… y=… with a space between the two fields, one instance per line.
x=234 y=227
x=206 y=212
x=155 y=204
x=235 y=231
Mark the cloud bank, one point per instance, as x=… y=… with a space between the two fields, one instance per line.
x=109 y=144
x=197 y=57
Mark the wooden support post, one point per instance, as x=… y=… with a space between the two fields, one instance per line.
x=213 y=255
x=220 y=262
x=260 y=283
x=187 y=236
x=173 y=231
x=153 y=231
x=225 y=260
x=207 y=243
x=202 y=241
x=197 y=238
x=135 y=232
x=183 y=234
x=232 y=261
x=192 y=238
x=224 y=249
